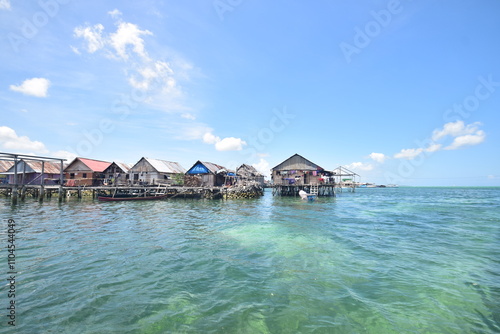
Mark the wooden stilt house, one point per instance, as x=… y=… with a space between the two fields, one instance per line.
x=85 y=172
x=117 y=174
x=35 y=173
x=155 y=171
x=204 y=174
x=297 y=170
x=4 y=167
x=247 y=173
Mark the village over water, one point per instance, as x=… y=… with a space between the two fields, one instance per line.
x=39 y=177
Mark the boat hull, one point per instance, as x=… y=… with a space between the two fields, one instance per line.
x=129 y=198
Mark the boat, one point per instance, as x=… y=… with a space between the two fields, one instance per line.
x=129 y=197
x=304 y=195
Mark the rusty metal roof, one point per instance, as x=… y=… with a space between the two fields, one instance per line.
x=27 y=166
x=5 y=165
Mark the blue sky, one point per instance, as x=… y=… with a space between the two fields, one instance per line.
x=404 y=92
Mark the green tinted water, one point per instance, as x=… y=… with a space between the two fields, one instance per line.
x=404 y=260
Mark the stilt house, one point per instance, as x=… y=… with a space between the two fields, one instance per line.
x=297 y=170
x=4 y=167
x=208 y=174
x=155 y=171
x=35 y=172
x=247 y=173
x=117 y=174
x=86 y=172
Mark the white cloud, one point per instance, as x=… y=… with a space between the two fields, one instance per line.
x=93 y=37
x=360 y=166
x=35 y=87
x=128 y=34
x=188 y=116
x=455 y=129
x=230 y=144
x=263 y=167
x=408 y=153
x=158 y=73
x=467 y=140
x=378 y=157
x=5 y=4
x=210 y=138
x=9 y=140
x=115 y=13
x=225 y=144
x=64 y=155
x=462 y=134
x=158 y=78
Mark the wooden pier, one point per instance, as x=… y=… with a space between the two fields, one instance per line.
x=40 y=193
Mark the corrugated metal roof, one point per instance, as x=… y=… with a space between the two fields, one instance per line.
x=212 y=168
x=163 y=166
x=247 y=170
x=95 y=165
x=48 y=168
x=5 y=165
x=297 y=162
x=124 y=166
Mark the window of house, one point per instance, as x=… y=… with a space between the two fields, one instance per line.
x=84 y=175
x=72 y=175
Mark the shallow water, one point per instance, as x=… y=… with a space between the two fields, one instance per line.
x=393 y=260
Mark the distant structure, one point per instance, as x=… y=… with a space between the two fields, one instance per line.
x=117 y=174
x=86 y=172
x=298 y=173
x=155 y=171
x=247 y=173
x=35 y=172
x=204 y=173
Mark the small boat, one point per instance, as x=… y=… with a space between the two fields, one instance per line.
x=304 y=195
x=124 y=195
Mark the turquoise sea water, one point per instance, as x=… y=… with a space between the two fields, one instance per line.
x=394 y=260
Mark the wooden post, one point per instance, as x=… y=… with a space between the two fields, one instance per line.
x=14 y=189
x=61 y=180
x=42 y=183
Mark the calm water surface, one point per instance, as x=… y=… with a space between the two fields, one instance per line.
x=404 y=260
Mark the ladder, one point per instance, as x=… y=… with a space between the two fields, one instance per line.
x=314 y=189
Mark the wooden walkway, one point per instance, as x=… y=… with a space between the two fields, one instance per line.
x=48 y=191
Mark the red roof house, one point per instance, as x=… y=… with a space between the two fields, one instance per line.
x=85 y=172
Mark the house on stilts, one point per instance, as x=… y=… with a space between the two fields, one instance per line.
x=208 y=174
x=85 y=172
x=298 y=173
x=149 y=171
x=249 y=174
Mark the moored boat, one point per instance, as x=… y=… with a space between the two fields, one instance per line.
x=130 y=197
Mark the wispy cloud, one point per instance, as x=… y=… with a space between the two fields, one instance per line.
x=157 y=78
x=5 y=4
x=462 y=135
x=360 y=166
x=467 y=140
x=37 y=87
x=378 y=157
